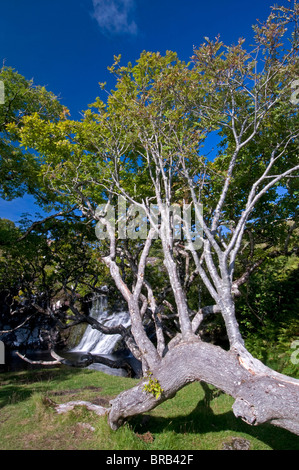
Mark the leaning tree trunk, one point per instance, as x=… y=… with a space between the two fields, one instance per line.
x=262 y=396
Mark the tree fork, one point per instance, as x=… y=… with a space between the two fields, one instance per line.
x=259 y=397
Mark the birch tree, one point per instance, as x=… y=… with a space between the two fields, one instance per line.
x=149 y=147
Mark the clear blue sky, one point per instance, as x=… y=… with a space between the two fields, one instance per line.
x=67 y=45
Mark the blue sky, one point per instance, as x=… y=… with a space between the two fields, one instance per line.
x=67 y=45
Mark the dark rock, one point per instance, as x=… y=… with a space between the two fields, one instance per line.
x=236 y=443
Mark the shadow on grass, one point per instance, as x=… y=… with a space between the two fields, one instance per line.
x=19 y=386
x=203 y=420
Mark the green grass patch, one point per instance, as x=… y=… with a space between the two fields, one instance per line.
x=197 y=418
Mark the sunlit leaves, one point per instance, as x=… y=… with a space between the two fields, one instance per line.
x=18 y=169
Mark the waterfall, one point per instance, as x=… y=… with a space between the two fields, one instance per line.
x=95 y=342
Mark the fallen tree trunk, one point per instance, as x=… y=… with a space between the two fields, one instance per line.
x=261 y=394
x=260 y=398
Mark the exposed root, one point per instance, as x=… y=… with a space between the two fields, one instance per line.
x=65 y=407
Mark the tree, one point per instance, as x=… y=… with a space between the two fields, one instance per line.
x=19 y=171
x=149 y=147
x=44 y=273
x=29 y=280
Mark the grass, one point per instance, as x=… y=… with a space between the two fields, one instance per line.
x=198 y=418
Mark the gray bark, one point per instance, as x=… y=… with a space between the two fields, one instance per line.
x=261 y=397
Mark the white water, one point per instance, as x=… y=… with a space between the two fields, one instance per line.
x=95 y=342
